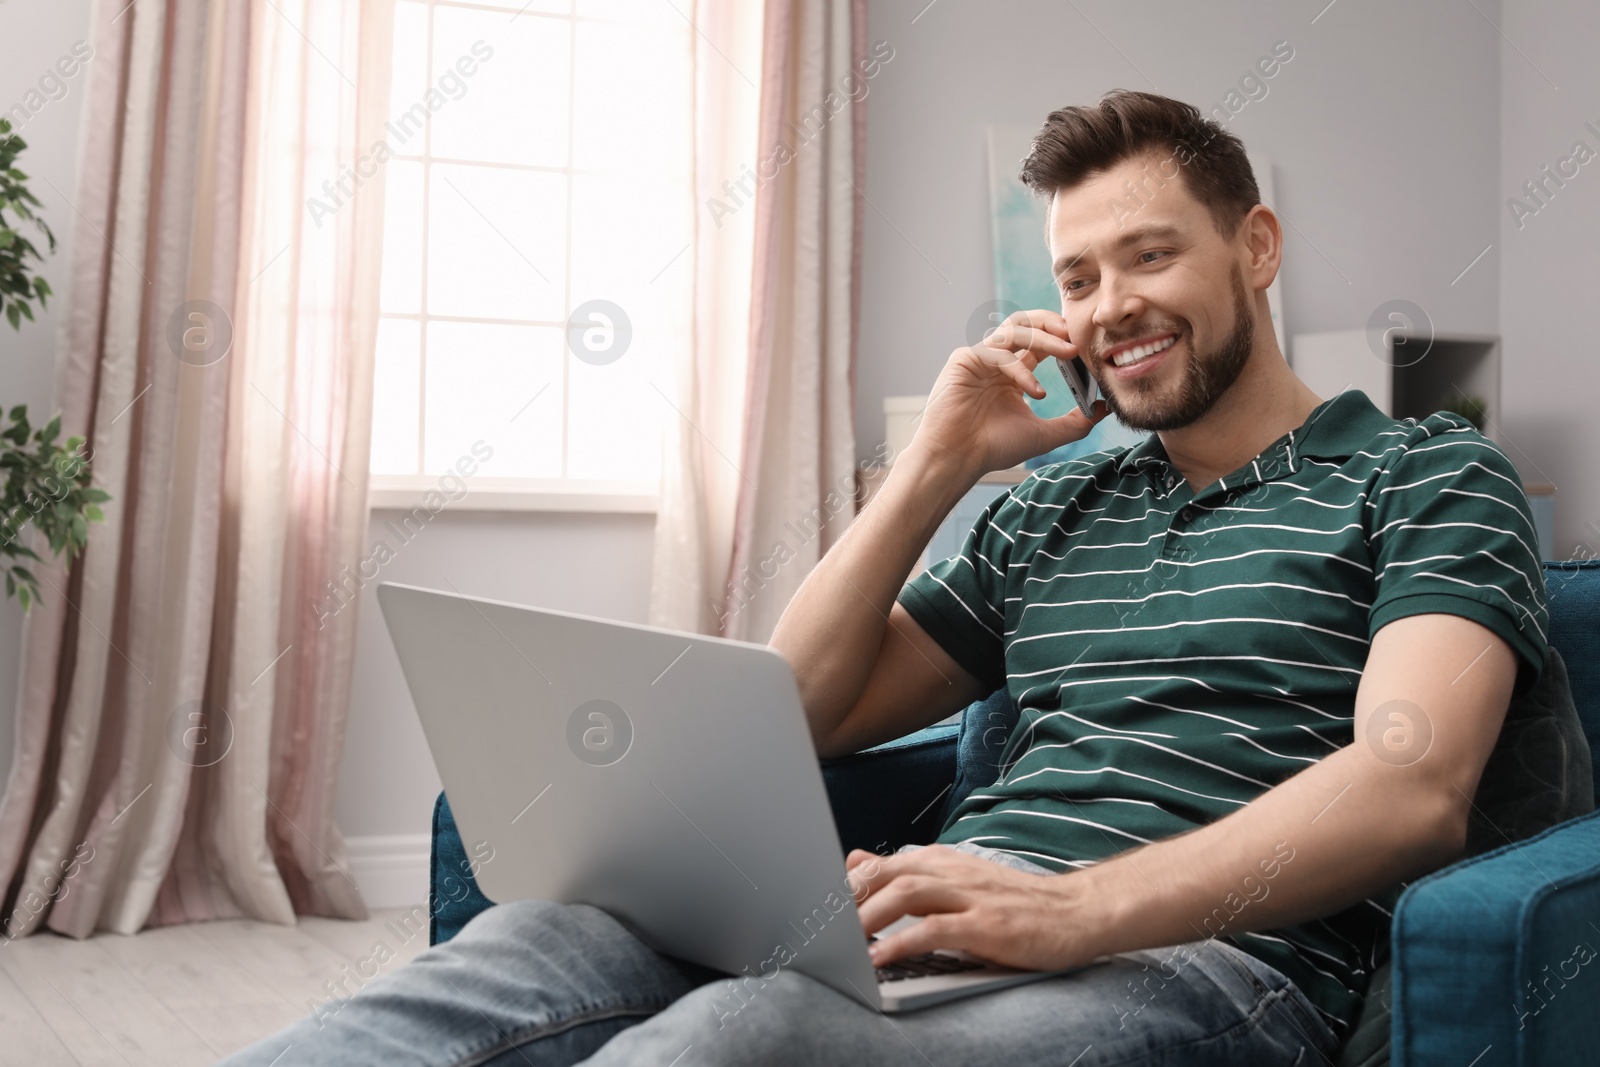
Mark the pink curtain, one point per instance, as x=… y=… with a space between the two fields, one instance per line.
x=770 y=379
x=181 y=705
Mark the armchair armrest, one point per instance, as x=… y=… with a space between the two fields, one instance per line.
x=1497 y=958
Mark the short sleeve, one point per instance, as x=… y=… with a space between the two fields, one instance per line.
x=960 y=601
x=1452 y=532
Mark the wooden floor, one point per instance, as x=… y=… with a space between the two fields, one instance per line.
x=181 y=995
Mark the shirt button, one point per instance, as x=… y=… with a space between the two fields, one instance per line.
x=1186 y=514
x=1171 y=482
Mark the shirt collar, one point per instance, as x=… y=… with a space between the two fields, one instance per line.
x=1336 y=429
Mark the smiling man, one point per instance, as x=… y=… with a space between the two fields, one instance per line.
x=1260 y=661
x=1260 y=658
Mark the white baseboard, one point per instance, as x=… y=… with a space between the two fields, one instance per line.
x=391 y=870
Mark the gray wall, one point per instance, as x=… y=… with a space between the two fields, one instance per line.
x=35 y=34
x=1550 y=267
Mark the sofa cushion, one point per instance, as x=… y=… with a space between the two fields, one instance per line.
x=1540 y=773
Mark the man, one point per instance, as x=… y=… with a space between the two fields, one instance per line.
x=1261 y=660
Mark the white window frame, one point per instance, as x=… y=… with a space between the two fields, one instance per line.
x=404 y=491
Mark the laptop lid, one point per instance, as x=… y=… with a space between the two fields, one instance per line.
x=668 y=778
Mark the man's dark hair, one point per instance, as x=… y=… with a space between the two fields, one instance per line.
x=1079 y=142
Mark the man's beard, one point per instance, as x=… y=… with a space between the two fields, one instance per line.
x=1142 y=405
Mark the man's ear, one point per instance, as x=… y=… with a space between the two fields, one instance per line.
x=1263 y=239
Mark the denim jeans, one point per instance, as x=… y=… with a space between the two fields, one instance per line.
x=530 y=983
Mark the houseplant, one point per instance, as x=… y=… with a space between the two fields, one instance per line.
x=16 y=288
x=45 y=483
x=1469 y=406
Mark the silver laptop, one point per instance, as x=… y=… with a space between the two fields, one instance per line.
x=667 y=778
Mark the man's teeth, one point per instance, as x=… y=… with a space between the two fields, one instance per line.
x=1134 y=355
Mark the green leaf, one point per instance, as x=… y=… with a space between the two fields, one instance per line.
x=80 y=529
x=14 y=316
x=94 y=513
x=23 y=598
x=97 y=496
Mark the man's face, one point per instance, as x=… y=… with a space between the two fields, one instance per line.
x=1171 y=281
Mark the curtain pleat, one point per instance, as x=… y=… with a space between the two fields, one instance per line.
x=799 y=438
x=699 y=482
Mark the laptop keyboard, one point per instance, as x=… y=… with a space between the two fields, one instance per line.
x=925 y=966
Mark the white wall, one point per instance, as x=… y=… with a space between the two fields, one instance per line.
x=1380 y=129
x=1550 y=267
x=35 y=33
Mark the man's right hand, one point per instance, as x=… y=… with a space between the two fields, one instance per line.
x=976 y=417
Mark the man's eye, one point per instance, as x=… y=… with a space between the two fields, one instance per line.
x=1143 y=254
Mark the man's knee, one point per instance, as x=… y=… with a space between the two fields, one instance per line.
x=781 y=1008
x=533 y=921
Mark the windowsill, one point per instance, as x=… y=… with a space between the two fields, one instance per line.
x=403 y=493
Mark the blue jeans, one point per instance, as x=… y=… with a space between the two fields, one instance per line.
x=530 y=983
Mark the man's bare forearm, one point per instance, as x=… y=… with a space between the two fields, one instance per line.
x=833 y=628
x=1337 y=832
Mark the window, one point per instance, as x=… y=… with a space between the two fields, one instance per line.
x=541 y=168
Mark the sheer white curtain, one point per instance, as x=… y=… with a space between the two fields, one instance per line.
x=759 y=468
x=700 y=449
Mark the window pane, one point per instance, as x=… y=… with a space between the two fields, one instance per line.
x=410 y=77
x=631 y=102
x=616 y=412
x=630 y=240
x=651 y=11
x=497 y=243
x=402 y=238
x=498 y=384
x=513 y=107
x=396 y=383
x=521 y=8
x=630 y=248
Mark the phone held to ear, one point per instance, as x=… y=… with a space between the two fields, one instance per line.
x=1081 y=382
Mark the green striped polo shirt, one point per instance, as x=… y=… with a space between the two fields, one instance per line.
x=1175 y=655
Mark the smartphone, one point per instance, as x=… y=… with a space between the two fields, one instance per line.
x=1081 y=382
